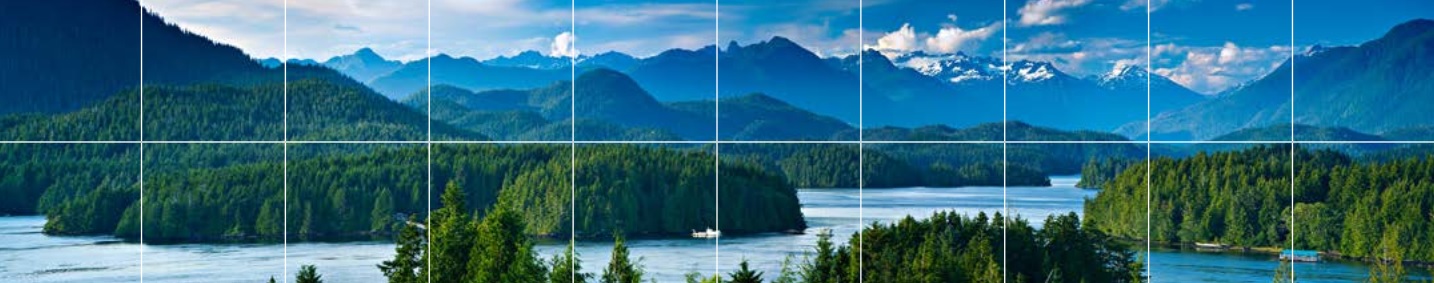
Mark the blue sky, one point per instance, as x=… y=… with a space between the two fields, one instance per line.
x=1207 y=45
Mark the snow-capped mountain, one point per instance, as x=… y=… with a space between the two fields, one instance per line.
x=960 y=68
x=530 y=59
x=1125 y=76
x=1026 y=71
x=955 y=68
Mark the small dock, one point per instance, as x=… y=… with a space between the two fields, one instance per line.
x=1300 y=255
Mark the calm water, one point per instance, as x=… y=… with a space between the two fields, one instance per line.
x=28 y=256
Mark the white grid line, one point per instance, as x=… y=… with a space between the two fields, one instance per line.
x=428 y=92
x=716 y=135
x=142 y=12
x=1292 y=139
x=284 y=63
x=1005 y=137
x=860 y=142
x=572 y=142
x=1149 y=171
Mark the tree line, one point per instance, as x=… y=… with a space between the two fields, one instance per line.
x=1350 y=208
x=945 y=247
x=347 y=192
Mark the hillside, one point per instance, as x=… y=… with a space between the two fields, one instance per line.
x=464 y=72
x=1394 y=77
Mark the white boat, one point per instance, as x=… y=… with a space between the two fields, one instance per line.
x=1211 y=246
x=706 y=234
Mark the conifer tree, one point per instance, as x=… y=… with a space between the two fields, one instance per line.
x=743 y=274
x=408 y=259
x=308 y=274
x=621 y=269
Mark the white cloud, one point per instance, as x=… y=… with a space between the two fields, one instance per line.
x=1244 y=6
x=901 y=40
x=952 y=38
x=1087 y=56
x=564 y=45
x=1154 y=4
x=1047 y=42
x=255 y=27
x=1212 y=69
x=622 y=14
x=1047 y=12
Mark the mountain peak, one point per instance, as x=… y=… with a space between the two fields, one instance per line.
x=781 y=41
x=1033 y=71
x=1315 y=50
x=530 y=59
x=366 y=53
x=733 y=46
x=1411 y=28
x=1123 y=72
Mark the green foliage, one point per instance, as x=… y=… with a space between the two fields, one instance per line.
x=308 y=274
x=409 y=259
x=789 y=271
x=952 y=248
x=1097 y=172
x=621 y=269
x=743 y=274
x=567 y=267
x=502 y=252
x=205 y=194
x=1234 y=198
x=1242 y=198
x=899 y=165
x=452 y=233
x=621 y=185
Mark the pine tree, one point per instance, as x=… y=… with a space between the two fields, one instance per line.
x=503 y=252
x=1389 y=259
x=308 y=274
x=408 y=256
x=621 y=269
x=743 y=274
x=788 y=274
x=824 y=267
x=452 y=237
x=567 y=268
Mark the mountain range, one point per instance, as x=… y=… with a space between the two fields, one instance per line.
x=1381 y=86
x=910 y=90
x=770 y=90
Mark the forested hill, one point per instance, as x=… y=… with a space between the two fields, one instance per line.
x=79 y=75
x=1242 y=198
x=62 y=55
x=1379 y=86
x=358 y=195
x=319 y=109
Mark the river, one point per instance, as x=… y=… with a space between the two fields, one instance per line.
x=26 y=255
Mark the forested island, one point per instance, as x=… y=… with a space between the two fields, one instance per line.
x=1365 y=209
x=348 y=193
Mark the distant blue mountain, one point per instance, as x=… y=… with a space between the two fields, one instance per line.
x=363 y=65
x=272 y=62
x=462 y=72
x=530 y=59
x=778 y=67
x=1382 y=86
